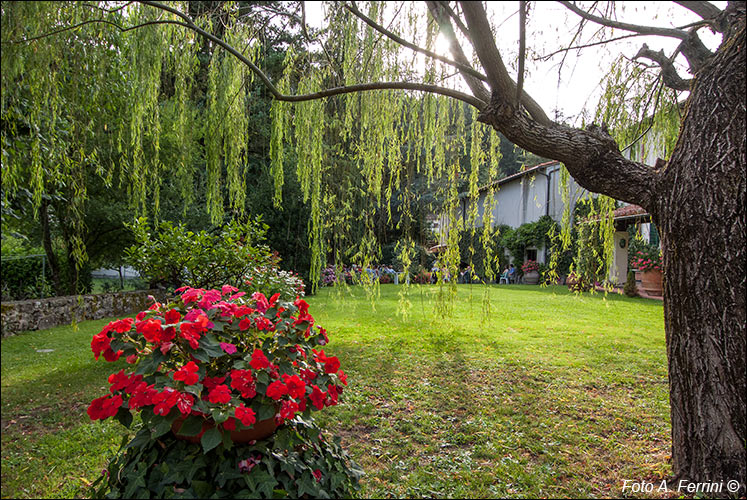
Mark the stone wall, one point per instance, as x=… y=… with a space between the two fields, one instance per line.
x=36 y=314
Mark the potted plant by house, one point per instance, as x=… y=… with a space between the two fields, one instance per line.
x=531 y=272
x=222 y=382
x=648 y=262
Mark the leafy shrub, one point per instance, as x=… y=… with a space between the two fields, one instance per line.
x=222 y=363
x=171 y=256
x=270 y=279
x=630 y=289
x=294 y=463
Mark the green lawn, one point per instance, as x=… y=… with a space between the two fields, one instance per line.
x=556 y=396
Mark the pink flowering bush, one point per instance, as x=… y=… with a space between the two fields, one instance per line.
x=648 y=259
x=530 y=266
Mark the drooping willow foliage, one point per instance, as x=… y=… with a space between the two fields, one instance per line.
x=95 y=98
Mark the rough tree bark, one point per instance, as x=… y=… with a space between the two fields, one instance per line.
x=700 y=210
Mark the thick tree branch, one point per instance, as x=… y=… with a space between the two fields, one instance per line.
x=636 y=28
x=422 y=87
x=490 y=58
x=456 y=19
x=522 y=48
x=466 y=68
x=706 y=10
x=475 y=85
x=591 y=156
x=668 y=71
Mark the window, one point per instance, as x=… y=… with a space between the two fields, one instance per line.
x=531 y=254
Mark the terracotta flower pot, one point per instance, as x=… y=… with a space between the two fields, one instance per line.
x=651 y=283
x=531 y=278
x=260 y=430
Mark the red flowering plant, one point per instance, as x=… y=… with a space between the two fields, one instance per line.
x=648 y=259
x=530 y=266
x=220 y=356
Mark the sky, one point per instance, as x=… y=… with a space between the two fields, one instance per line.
x=576 y=88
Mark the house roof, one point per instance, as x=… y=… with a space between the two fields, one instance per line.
x=629 y=212
x=517 y=175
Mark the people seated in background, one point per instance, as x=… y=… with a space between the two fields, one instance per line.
x=512 y=274
x=504 y=276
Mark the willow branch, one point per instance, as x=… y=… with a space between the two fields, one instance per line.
x=636 y=28
x=463 y=67
x=95 y=21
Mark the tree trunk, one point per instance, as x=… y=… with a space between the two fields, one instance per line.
x=701 y=216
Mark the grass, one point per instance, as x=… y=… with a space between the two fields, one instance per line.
x=556 y=396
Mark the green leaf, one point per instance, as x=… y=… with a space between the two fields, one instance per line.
x=203 y=489
x=124 y=417
x=161 y=428
x=210 y=439
x=192 y=426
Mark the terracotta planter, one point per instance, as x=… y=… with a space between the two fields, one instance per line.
x=531 y=278
x=260 y=430
x=651 y=283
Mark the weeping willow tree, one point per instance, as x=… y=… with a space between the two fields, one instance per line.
x=375 y=83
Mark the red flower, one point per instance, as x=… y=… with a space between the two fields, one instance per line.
x=246 y=415
x=308 y=375
x=104 y=407
x=212 y=382
x=230 y=424
x=226 y=289
x=111 y=356
x=277 y=390
x=150 y=329
x=165 y=401
x=332 y=391
x=220 y=394
x=317 y=397
x=100 y=342
x=119 y=381
x=288 y=410
x=142 y=395
x=131 y=359
x=303 y=307
x=245 y=324
x=259 y=360
x=188 y=373
x=243 y=381
x=185 y=402
x=242 y=311
x=296 y=386
x=318 y=474
x=343 y=377
x=263 y=323
x=172 y=316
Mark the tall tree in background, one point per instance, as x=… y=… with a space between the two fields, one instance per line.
x=696 y=197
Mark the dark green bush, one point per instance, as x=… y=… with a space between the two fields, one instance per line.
x=298 y=461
